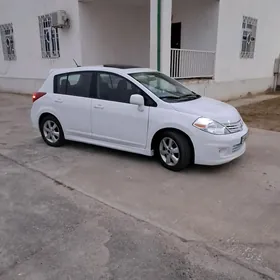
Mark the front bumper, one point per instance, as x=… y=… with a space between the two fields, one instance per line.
x=219 y=149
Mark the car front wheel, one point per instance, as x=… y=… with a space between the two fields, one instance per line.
x=51 y=131
x=174 y=151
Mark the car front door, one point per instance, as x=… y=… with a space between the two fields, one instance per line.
x=72 y=103
x=114 y=119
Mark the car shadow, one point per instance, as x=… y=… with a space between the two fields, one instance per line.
x=90 y=148
x=216 y=168
x=151 y=161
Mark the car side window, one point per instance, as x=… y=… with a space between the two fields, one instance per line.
x=112 y=87
x=75 y=84
x=60 y=82
x=115 y=88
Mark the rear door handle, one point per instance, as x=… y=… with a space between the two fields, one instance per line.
x=58 y=100
x=99 y=106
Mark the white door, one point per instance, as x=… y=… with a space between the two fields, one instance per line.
x=72 y=103
x=114 y=119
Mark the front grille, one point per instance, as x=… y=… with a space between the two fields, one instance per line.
x=234 y=127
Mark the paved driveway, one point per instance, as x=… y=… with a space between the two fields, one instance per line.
x=234 y=208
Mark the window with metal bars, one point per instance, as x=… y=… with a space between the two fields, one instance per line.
x=249 y=32
x=8 y=43
x=49 y=37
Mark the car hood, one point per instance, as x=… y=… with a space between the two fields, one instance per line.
x=209 y=108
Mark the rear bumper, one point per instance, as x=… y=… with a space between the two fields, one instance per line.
x=220 y=149
x=34 y=119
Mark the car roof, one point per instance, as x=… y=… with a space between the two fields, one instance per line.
x=114 y=68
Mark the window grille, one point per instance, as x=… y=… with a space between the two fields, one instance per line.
x=49 y=37
x=8 y=43
x=249 y=32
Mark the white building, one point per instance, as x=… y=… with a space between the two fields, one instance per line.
x=222 y=49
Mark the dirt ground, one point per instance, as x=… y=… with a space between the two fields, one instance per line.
x=264 y=115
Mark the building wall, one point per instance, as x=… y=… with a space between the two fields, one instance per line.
x=256 y=74
x=115 y=32
x=227 y=90
x=106 y=31
x=234 y=76
x=199 y=23
x=29 y=70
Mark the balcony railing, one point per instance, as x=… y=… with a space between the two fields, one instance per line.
x=192 y=64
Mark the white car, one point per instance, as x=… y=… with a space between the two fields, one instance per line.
x=137 y=110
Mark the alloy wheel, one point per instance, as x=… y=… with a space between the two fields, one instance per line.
x=169 y=151
x=51 y=131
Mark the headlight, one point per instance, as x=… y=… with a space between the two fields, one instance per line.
x=210 y=126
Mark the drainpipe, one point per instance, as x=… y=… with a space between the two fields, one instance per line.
x=159 y=35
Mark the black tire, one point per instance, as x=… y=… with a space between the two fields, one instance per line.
x=61 y=140
x=185 y=150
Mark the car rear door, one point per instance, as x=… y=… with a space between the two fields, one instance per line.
x=114 y=119
x=72 y=103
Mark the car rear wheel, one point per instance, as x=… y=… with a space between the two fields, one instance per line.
x=51 y=131
x=174 y=151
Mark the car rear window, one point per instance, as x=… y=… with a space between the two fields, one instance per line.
x=75 y=84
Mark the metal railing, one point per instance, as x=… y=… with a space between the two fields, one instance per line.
x=192 y=63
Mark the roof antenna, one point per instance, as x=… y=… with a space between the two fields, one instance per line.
x=76 y=63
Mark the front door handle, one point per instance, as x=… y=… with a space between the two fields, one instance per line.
x=99 y=106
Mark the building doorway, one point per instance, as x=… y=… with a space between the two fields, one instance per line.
x=175 y=44
x=176 y=35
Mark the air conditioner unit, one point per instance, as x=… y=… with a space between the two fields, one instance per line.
x=60 y=19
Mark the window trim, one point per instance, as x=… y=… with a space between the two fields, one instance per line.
x=247 y=20
x=146 y=97
x=5 y=49
x=91 y=88
x=54 y=53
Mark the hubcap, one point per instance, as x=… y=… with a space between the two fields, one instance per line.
x=169 y=151
x=51 y=131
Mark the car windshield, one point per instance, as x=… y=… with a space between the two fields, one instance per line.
x=165 y=87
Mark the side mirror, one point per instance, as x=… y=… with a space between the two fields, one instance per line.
x=138 y=100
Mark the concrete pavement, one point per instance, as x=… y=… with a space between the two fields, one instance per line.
x=233 y=208
x=51 y=232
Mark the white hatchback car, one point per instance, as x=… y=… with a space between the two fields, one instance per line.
x=137 y=110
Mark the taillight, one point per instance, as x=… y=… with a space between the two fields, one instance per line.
x=37 y=95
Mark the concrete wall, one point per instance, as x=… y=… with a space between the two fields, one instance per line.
x=115 y=32
x=227 y=90
x=28 y=71
x=199 y=23
x=235 y=76
x=111 y=31
x=255 y=74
